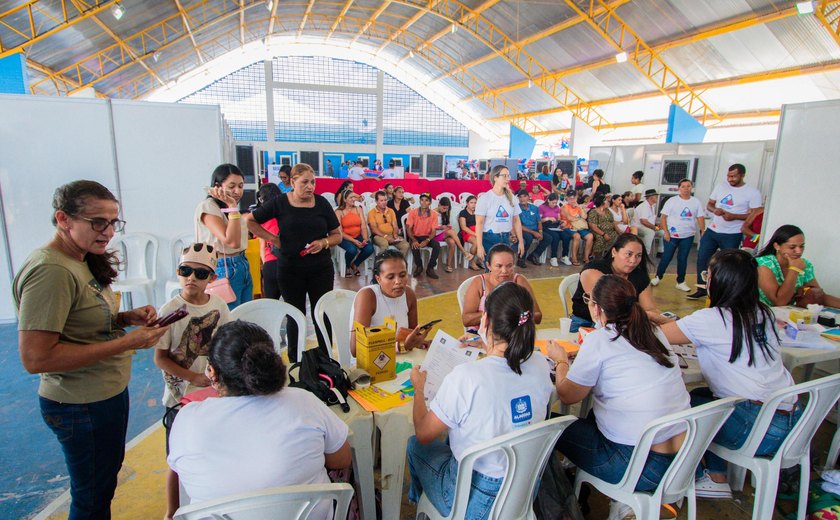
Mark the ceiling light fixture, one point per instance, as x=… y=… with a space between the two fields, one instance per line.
x=453 y=29
x=410 y=54
x=118 y=11
x=156 y=56
x=530 y=83
x=621 y=57
x=269 y=4
x=805 y=7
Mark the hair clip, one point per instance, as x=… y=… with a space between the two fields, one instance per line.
x=523 y=318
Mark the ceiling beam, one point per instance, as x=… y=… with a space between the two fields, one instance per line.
x=755 y=77
x=338 y=19
x=372 y=19
x=554 y=29
x=242 y=23
x=186 y=23
x=30 y=20
x=465 y=18
x=828 y=13
x=408 y=23
x=305 y=16
x=131 y=52
x=270 y=29
x=726 y=26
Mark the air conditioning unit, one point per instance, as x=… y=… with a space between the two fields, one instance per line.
x=676 y=168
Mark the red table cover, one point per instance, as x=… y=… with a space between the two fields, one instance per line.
x=417 y=186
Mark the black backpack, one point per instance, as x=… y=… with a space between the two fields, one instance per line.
x=323 y=376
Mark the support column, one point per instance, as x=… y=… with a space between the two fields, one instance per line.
x=380 y=115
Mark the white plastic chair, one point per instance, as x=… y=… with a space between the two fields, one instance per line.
x=462 y=291
x=330 y=198
x=340 y=261
x=795 y=449
x=288 y=503
x=269 y=314
x=410 y=259
x=337 y=306
x=138 y=252
x=446 y=194
x=173 y=286
x=527 y=450
x=462 y=198
x=539 y=203
x=568 y=286
x=833 y=450
x=702 y=423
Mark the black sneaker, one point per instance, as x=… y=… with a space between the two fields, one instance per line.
x=521 y=263
x=417 y=271
x=534 y=260
x=431 y=273
x=698 y=294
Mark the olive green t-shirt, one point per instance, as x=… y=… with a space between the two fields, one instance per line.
x=56 y=293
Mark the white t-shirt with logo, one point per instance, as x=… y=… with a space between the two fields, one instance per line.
x=712 y=335
x=629 y=388
x=734 y=200
x=497 y=211
x=356 y=173
x=644 y=211
x=682 y=216
x=484 y=399
x=228 y=445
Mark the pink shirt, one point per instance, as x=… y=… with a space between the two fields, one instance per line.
x=548 y=212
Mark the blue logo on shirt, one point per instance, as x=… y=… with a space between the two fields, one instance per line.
x=502 y=213
x=686 y=213
x=520 y=410
x=727 y=201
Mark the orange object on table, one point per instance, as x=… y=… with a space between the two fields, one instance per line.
x=571 y=348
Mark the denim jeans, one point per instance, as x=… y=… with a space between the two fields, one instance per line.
x=736 y=429
x=553 y=239
x=92 y=437
x=578 y=322
x=683 y=245
x=528 y=238
x=353 y=255
x=710 y=242
x=584 y=444
x=489 y=239
x=237 y=270
x=434 y=471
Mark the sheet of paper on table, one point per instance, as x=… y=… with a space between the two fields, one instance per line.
x=445 y=353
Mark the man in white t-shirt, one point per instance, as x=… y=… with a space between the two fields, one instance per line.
x=731 y=203
x=390 y=172
x=638 y=189
x=681 y=218
x=357 y=172
x=644 y=218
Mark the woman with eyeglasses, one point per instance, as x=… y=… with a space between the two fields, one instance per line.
x=219 y=223
x=626 y=259
x=497 y=215
x=71 y=332
x=633 y=375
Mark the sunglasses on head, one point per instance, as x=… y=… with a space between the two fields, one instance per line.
x=200 y=272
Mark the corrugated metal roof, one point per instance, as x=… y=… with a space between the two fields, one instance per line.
x=792 y=41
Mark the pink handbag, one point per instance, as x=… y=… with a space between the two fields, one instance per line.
x=221 y=286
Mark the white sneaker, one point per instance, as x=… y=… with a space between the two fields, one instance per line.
x=553 y=262
x=566 y=260
x=655 y=281
x=705 y=487
x=620 y=511
x=683 y=287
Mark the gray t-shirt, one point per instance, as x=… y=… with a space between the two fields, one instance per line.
x=498 y=212
x=56 y=293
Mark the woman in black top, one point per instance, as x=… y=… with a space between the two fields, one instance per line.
x=626 y=258
x=308 y=228
x=466 y=223
x=399 y=205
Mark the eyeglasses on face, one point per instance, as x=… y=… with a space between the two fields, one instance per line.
x=587 y=299
x=100 y=224
x=200 y=272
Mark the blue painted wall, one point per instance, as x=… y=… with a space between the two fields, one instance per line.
x=13 y=76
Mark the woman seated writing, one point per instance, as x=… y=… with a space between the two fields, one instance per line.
x=785 y=277
x=634 y=377
x=500 y=262
x=474 y=404
x=258 y=434
x=626 y=259
x=390 y=297
x=739 y=356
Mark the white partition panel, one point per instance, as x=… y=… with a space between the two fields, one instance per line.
x=45 y=142
x=166 y=153
x=804 y=186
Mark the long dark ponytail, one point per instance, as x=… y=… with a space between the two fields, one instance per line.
x=733 y=286
x=510 y=316
x=618 y=300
